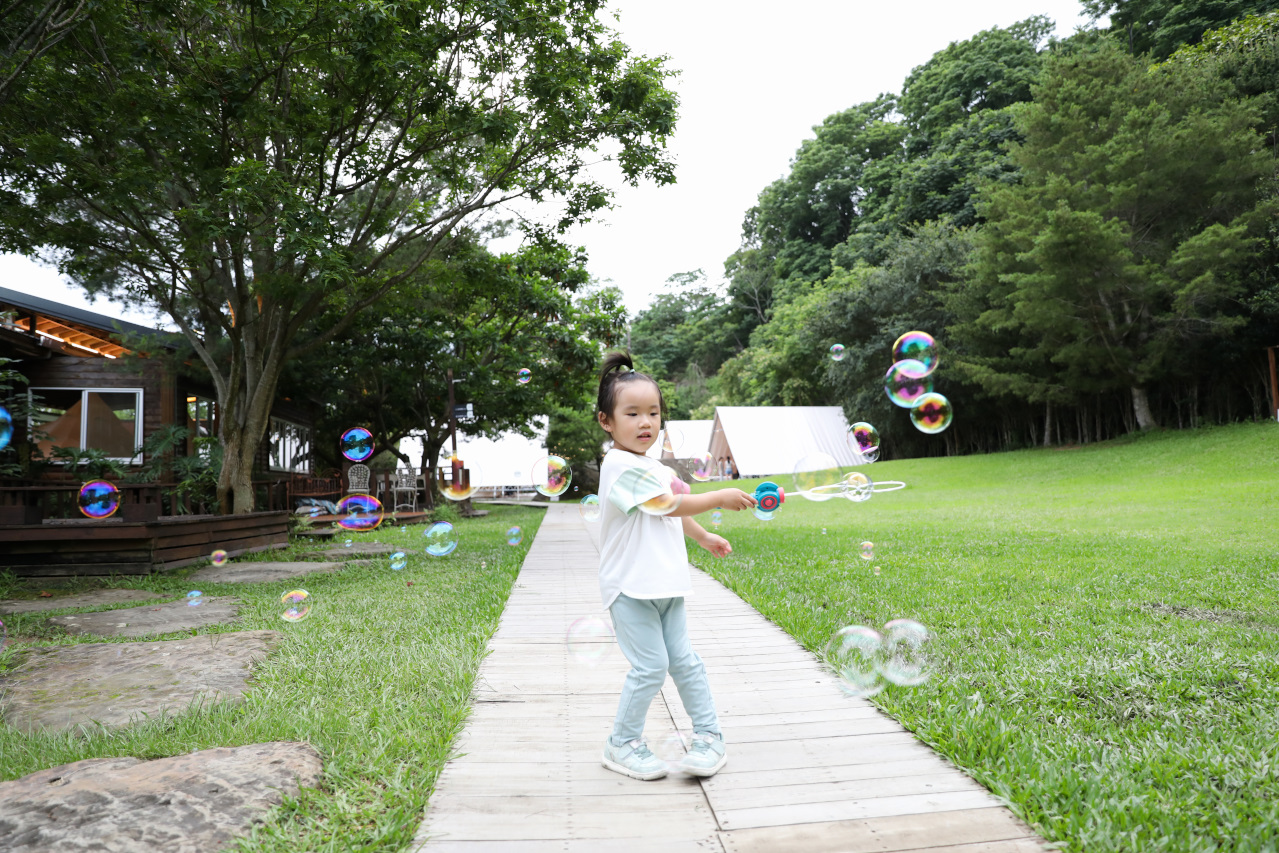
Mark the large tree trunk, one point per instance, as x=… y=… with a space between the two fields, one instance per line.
x=235 y=483
x=1141 y=409
x=1048 y=423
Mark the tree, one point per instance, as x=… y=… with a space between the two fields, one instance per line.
x=475 y=317
x=1132 y=226
x=28 y=31
x=1159 y=27
x=251 y=168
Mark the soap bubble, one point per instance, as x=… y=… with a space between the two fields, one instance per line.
x=359 y=513
x=441 y=539
x=195 y=598
x=659 y=485
x=864 y=440
x=348 y=543
x=717 y=518
x=590 y=508
x=931 y=414
x=917 y=346
x=837 y=352
x=356 y=444
x=462 y=481
x=672 y=440
x=219 y=557
x=514 y=536
x=404 y=529
x=672 y=749
x=296 y=604
x=906 y=653
x=552 y=476
x=817 y=477
x=523 y=375
x=589 y=639
x=99 y=499
x=858 y=487
x=399 y=561
x=855 y=653
x=867 y=550
x=4 y=634
x=703 y=467
x=764 y=515
x=6 y=428
x=877 y=571
x=907 y=381
x=315 y=511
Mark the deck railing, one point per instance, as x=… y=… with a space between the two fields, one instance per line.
x=34 y=501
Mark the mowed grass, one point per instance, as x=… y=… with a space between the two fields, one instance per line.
x=378 y=678
x=1105 y=623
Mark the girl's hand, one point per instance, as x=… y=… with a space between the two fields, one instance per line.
x=716 y=544
x=735 y=499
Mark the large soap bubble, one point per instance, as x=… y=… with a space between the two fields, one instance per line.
x=462 y=481
x=672 y=440
x=917 y=346
x=551 y=475
x=98 y=499
x=590 y=508
x=906 y=653
x=931 y=414
x=360 y=513
x=357 y=444
x=523 y=375
x=907 y=381
x=295 y=605
x=858 y=487
x=661 y=484
x=856 y=653
x=702 y=467
x=589 y=639
x=441 y=539
x=836 y=352
x=6 y=428
x=864 y=441
x=817 y=477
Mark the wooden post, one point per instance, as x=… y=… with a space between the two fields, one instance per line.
x=1274 y=384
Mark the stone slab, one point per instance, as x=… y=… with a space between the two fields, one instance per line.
x=151 y=619
x=260 y=572
x=113 y=684
x=358 y=549
x=97 y=598
x=183 y=804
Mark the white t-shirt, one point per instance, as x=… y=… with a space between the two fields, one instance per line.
x=641 y=555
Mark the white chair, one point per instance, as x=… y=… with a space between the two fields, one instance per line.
x=357 y=479
x=405 y=481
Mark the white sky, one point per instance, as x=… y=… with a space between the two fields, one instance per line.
x=756 y=77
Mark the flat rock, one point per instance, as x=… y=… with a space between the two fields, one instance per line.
x=113 y=684
x=357 y=550
x=260 y=572
x=96 y=598
x=184 y=804
x=151 y=619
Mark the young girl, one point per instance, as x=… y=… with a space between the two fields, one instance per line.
x=644 y=576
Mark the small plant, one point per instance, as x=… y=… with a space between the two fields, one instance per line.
x=89 y=464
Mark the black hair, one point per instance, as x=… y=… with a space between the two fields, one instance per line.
x=618 y=369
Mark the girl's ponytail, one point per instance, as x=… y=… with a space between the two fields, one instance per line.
x=619 y=367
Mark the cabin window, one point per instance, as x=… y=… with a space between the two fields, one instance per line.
x=106 y=419
x=202 y=415
x=290 y=447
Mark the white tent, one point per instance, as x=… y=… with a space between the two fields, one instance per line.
x=506 y=461
x=766 y=440
x=693 y=439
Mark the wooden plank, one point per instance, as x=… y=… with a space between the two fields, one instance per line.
x=931 y=832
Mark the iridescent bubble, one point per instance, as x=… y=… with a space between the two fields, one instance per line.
x=296 y=605
x=590 y=508
x=441 y=539
x=552 y=476
x=867 y=550
x=864 y=440
x=589 y=639
x=315 y=511
x=356 y=444
x=219 y=557
x=462 y=480
x=657 y=491
x=348 y=543
x=514 y=536
x=702 y=467
x=717 y=518
x=817 y=477
x=877 y=571
x=907 y=381
x=823 y=531
x=931 y=414
x=672 y=440
x=399 y=561
x=763 y=515
x=858 y=487
x=4 y=634
x=672 y=749
x=99 y=499
x=836 y=352
x=359 y=513
x=523 y=375
x=917 y=346
x=6 y=428
x=195 y=598
x=404 y=529
x=855 y=653
x=906 y=660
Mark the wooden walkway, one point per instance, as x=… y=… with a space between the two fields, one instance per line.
x=808 y=770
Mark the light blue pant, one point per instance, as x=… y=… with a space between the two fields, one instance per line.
x=653 y=634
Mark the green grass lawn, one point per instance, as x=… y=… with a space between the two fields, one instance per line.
x=1105 y=621
x=378 y=678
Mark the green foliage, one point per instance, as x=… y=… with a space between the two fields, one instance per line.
x=88 y=464
x=16 y=404
x=1160 y=27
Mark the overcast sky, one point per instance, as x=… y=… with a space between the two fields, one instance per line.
x=755 y=78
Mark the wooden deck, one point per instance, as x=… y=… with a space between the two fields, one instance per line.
x=809 y=769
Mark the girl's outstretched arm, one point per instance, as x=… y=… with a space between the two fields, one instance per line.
x=712 y=542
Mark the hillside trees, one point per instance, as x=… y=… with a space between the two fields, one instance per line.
x=261 y=171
